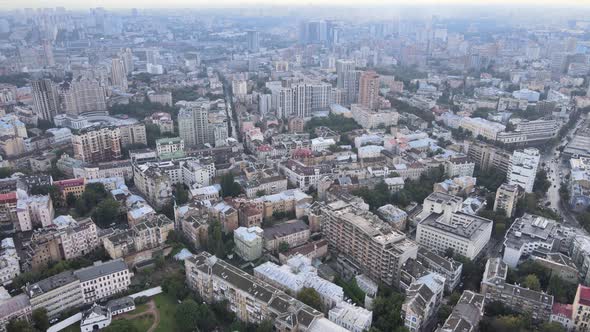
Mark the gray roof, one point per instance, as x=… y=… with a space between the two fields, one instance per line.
x=284 y=229
x=51 y=283
x=121 y=303
x=12 y=305
x=466 y=314
x=100 y=269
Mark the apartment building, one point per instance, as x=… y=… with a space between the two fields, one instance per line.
x=293 y=232
x=163 y=121
x=523 y=300
x=351 y=317
x=9 y=262
x=507 y=197
x=581 y=309
x=423 y=298
x=251 y=299
x=111 y=169
x=304 y=176
x=8 y=204
x=369 y=90
x=483 y=127
x=193 y=122
x=459 y=166
x=154 y=183
x=153 y=232
x=523 y=168
x=84 y=95
x=170 y=148
x=56 y=294
x=529 y=133
x=531 y=233
x=95 y=145
x=75 y=187
x=466 y=314
x=14 y=308
x=249 y=242
x=34 y=211
x=370 y=119
x=103 y=280
x=133 y=134
x=363 y=242
x=77 y=237
x=447 y=267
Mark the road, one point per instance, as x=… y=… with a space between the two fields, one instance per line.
x=557 y=172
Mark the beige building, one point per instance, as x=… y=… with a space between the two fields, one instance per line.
x=56 y=294
x=153 y=232
x=249 y=242
x=369 y=90
x=34 y=210
x=103 y=280
x=97 y=144
x=507 y=197
x=84 y=95
x=293 y=232
x=133 y=134
x=363 y=242
x=14 y=308
x=581 y=309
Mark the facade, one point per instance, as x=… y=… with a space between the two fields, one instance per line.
x=348 y=80
x=369 y=90
x=523 y=168
x=249 y=242
x=507 y=197
x=154 y=183
x=294 y=233
x=45 y=99
x=97 y=144
x=459 y=166
x=14 y=308
x=193 y=122
x=84 y=95
x=479 y=126
x=103 y=280
x=363 y=242
x=581 y=309
x=251 y=299
x=170 y=148
x=466 y=314
x=119 y=75
x=56 y=294
x=444 y=266
x=351 y=317
x=531 y=233
x=370 y=119
x=78 y=237
x=563 y=315
x=34 y=211
x=75 y=187
x=523 y=300
x=133 y=134
x=95 y=318
x=423 y=299
x=530 y=133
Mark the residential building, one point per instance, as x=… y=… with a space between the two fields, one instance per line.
x=170 y=148
x=8 y=207
x=77 y=237
x=163 y=121
x=75 y=187
x=302 y=175
x=121 y=305
x=253 y=40
x=249 y=242
x=103 y=280
x=14 y=308
x=56 y=294
x=581 y=309
x=466 y=314
x=507 y=197
x=523 y=300
x=251 y=299
x=9 y=262
x=162 y=98
x=154 y=183
x=527 y=133
x=394 y=216
x=133 y=134
x=351 y=317
x=563 y=315
x=348 y=80
x=449 y=268
x=531 y=233
x=483 y=127
x=369 y=90
x=459 y=165
x=95 y=145
x=523 y=168
x=193 y=122
x=34 y=211
x=153 y=232
x=363 y=242
x=84 y=95
x=119 y=75
x=46 y=101
x=293 y=232
x=370 y=119
x=423 y=299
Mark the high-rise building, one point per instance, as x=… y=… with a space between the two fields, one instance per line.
x=46 y=101
x=369 y=90
x=301 y=99
x=127 y=56
x=523 y=168
x=348 y=80
x=119 y=75
x=253 y=40
x=133 y=134
x=152 y=56
x=84 y=95
x=48 y=53
x=507 y=196
x=193 y=122
x=97 y=144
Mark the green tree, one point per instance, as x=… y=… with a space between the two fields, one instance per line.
x=552 y=327
x=121 y=325
x=532 y=282
x=175 y=286
x=229 y=187
x=40 y=319
x=152 y=132
x=283 y=246
x=386 y=309
x=180 y=193
x=19 y=325
x=190 y=314
x=310 y=297
x=265 y=326
x=71 y=200
x=106 y=212
x=541 y=184
x=5 y=172
x=215 y=244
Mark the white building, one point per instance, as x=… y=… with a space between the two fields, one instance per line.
x=530 y=95
x=34 y=211
x=60 y=135
x=423 y=298
x=95 y=318
x=320 y=143
x=483 y=127
x=9 y=262
x=249 y=242
x=103 y=280
x=369 y=119
x=351 y=317
x=529 y=233
x=523 y=168
x=168 y=148
x=78 y=237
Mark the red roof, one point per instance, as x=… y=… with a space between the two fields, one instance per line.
x=70 y=182
x=584 y=295
x=560 y=309
x=8 y=198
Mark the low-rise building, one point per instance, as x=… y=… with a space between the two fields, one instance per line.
x=95 y=318
x=393 y=215
x=581 y=309
x=351 y=317
x=507 y=196
x=294 y=233
x=466 y=314
x=423 y=298
x=563 y=315
x=103 y=280
x=14 y=308
x=495 y=288
x=56 y=294
x=34 y=211
x=249 y=242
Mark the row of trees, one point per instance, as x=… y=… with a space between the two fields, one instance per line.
x=39 y=322
x=335 y=122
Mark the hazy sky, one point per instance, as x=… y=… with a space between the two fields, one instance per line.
x=79 y=4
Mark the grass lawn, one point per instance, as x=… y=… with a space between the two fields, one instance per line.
x=143 y=323
x=167 y=307
x=139 y=309
x=72 y=328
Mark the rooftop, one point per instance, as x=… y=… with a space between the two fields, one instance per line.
x=100 y=269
